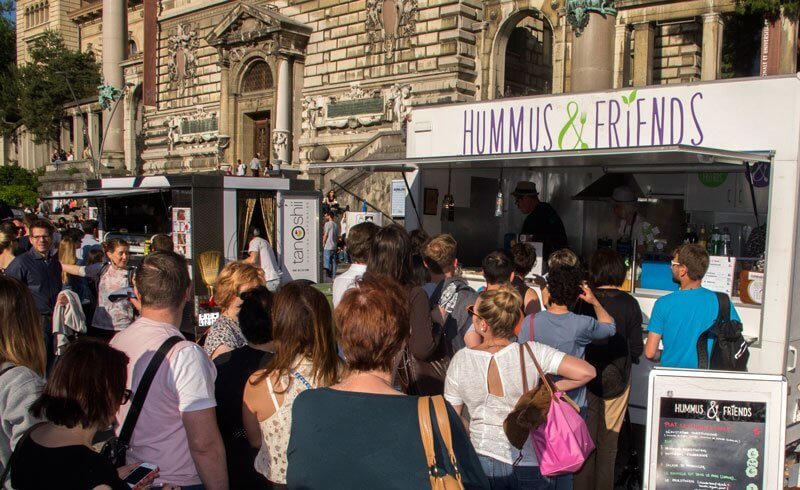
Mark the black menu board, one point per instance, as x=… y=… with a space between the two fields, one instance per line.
x=710 y=444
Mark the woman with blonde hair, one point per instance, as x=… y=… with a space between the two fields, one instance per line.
x=305 y=358
x=22 y=363
x=233 y=280
x=488 y=380
x=7 y=244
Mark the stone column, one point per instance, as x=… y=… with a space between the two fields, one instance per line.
x=64 y=141
x=644 y=36
x=115 y=45
x=282 y=134
x=593 y=54
x=622 y=43
x=77 y=134
x=224 y=113
x=712 y=47
x=93 y=132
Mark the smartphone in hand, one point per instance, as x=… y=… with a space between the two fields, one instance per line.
x=142 y=475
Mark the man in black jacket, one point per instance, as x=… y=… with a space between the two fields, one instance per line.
x=542 y=221
x=40 y=270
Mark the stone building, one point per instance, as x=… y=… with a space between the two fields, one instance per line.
x=207 y=83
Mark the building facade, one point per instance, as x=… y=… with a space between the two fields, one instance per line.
x=208 y=83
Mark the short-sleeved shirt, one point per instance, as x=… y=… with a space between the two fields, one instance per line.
x=255 y=164
x=568 y=333
x=117 y=314
x=546 y=226
x=183 y=383
x=467 y=384
x=382 y=440
x=75 y=467
x=225 y=331
x=241 y=169
x=680 y=317
x=332 y=230
x=266 y=257
x=345 y=281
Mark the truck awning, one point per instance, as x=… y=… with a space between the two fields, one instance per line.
x=107 y=193
x=676 y=158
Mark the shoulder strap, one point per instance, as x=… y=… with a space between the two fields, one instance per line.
x=542 y=376
x=426 y=431
x=528 y=320
x=443 y=421
x=522 y=368
x=702 y=350
x=724 y=307
x=137 y=403
x=11 y=458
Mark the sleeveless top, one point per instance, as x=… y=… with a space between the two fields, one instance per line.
x=271 y=459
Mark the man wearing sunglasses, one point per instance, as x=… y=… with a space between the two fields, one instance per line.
x=542 y=221
x=679 y=318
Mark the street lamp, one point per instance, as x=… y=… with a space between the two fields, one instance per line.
x=88 y=140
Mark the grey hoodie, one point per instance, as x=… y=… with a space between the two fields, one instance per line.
x=19 y=388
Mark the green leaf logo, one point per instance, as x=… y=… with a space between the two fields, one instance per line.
x=632 y=97
x=625 y=99
x=583 y=118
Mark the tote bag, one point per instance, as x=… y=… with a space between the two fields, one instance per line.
x=562 y=443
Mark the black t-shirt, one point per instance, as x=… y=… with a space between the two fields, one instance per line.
x=66 y=468
x=233 y=370
x=345 y=440
x=546 y=226
x=627 y=341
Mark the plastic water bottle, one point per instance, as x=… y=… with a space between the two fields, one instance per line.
x=364 y=206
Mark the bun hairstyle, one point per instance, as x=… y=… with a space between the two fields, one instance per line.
x=6 y=240
x=112 y=244
x=501 y=308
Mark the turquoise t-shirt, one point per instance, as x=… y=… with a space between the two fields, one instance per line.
x=680 y=318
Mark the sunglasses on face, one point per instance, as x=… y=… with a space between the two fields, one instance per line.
x=126 y=396
x=472 y=312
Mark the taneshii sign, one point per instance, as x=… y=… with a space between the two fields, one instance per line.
x=738 y=115
x=614 y=122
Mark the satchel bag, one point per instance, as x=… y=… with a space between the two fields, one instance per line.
x=563 y=443
x=115 y=449
x=440 y=480
x=530 y=410
x=412 y=379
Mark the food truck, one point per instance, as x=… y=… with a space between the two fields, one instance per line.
x=719 y=155
x=208 y=212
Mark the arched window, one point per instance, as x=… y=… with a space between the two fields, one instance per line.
x=529 y=58
x=258 y=77
x=132 y=47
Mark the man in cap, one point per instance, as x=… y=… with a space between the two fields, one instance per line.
x=542 y=221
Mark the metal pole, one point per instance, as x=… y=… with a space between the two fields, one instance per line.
x=88 y=140
x=108 y=124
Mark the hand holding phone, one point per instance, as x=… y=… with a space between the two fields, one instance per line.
x=141 y=475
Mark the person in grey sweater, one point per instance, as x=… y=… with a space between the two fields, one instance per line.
x=22 y=363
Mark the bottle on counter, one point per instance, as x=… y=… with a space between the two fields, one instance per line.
x=725 y=248
x=702 y=237
x=690 y=236
x=715 y=244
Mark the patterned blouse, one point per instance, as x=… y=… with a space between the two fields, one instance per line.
x=112 y=315
x=225 y=331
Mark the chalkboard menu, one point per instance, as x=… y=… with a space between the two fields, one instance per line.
x=711 y=444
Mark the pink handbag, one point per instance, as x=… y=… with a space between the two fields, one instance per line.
x=562 y=443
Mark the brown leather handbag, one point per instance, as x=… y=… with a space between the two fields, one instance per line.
x=440 y=480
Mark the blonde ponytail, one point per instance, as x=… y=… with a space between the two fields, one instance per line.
x=502 y=309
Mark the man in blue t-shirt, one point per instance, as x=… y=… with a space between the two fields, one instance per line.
x=679 y=318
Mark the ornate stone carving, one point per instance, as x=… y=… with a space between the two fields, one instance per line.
x=182 y=62
x=247 y=28
x=387 y=22
x=280 y=142
x=400 y=97
x=357 y=108
x=578 y=11
x=199 y=127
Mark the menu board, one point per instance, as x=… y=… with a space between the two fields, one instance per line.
x=182 y=231
x=715 y=430
x=711 y=444
x=719 y=276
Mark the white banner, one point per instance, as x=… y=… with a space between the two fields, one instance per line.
x=748 y=115
x=300 y=238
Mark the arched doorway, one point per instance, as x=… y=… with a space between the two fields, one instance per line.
x=523 y=55
x=255 y=103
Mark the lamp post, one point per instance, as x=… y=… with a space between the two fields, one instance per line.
x=106 y=95
x=88 y=140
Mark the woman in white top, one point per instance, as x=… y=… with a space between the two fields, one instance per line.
x=488 y=380
x=305 y=358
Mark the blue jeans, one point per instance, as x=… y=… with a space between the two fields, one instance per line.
x=329 y=262
x=504 y=476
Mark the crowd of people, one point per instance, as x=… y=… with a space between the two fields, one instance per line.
x=287 y=389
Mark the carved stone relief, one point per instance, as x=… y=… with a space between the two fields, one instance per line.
x=182 y=62
x=357 y=108
x=389 y=21
x=196 y=128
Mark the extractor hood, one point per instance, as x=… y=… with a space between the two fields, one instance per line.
x=602 y=188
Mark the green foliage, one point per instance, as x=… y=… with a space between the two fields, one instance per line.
x=43 y=88
x=18 y=185
x=741 y=45
x=9 y=115
x=72 y=170
x=769 y=8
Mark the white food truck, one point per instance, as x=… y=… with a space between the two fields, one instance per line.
x=722 y=153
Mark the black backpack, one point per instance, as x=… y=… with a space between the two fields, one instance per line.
x=730 y=351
